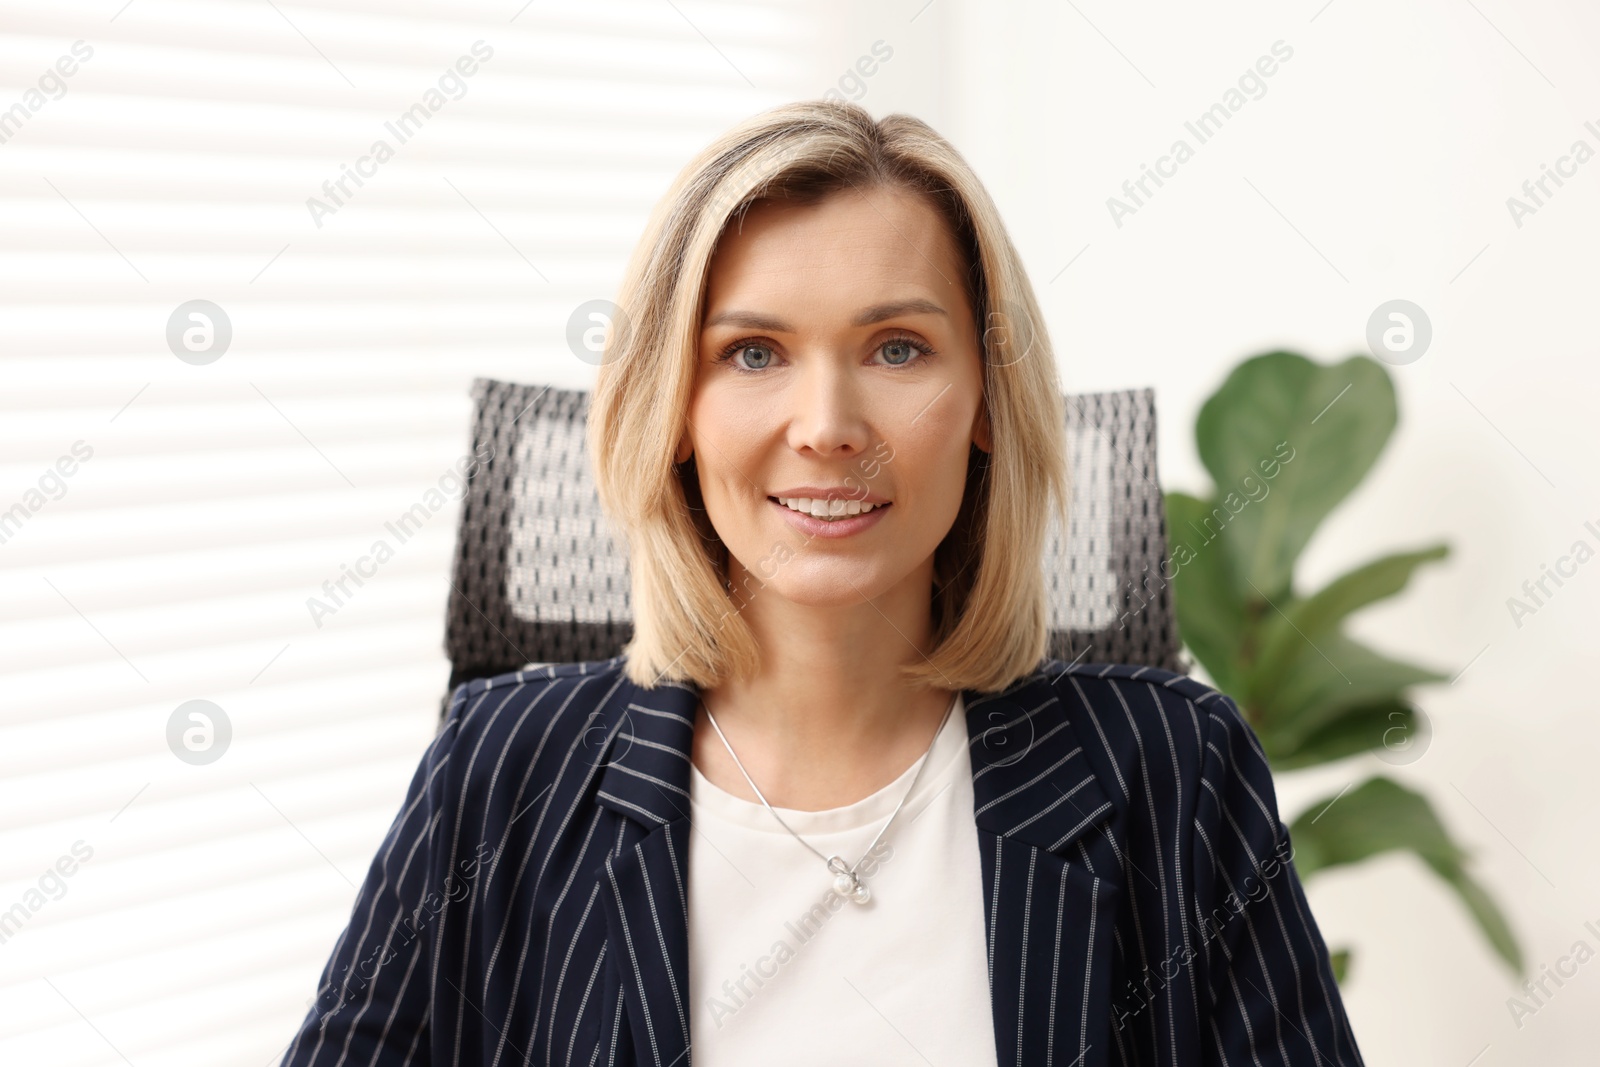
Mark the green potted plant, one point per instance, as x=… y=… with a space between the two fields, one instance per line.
x=1285 y=440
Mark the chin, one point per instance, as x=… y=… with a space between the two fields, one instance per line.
x=840 y=596
x=823 y=587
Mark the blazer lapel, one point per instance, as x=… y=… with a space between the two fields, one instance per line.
x=648 y=933
x=644 y=881
x=1039 y=808
x=1048 y=863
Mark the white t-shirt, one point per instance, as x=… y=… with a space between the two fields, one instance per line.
x=776 y=977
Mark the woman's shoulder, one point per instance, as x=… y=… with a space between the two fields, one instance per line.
x=1105 y=679
x=533 y=718
x=1147 y=723
x=535 y=676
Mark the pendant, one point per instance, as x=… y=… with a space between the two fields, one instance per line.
x=847 y=883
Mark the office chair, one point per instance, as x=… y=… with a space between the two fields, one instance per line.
x=539 y=576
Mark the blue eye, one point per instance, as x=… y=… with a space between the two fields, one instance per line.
x=904 y=347
x=909 y=346
x=738 y=348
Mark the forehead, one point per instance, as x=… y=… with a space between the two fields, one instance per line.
x=851 y=249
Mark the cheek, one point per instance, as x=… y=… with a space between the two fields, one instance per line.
x=726 y=433
x=932 y=456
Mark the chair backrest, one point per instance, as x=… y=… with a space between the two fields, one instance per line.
x=540 y=576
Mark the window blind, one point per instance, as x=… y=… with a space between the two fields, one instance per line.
x=236 y=339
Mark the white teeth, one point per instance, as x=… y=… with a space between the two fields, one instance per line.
x=826 y=509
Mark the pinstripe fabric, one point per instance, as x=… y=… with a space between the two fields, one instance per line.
x=528 y=904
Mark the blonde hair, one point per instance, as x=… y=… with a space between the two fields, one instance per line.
x=990 y=620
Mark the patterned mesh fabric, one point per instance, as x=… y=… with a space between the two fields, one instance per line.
x=540 y=576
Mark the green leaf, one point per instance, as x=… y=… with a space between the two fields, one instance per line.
x=1355 y=730
x=1376 y=816
x=1286 y=440
x=1490 y=919
x=1210 y=615
x=1381 y=815
x=1321 y=613
x=1325 y=681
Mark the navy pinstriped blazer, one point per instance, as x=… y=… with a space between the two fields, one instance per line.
x=528 y=903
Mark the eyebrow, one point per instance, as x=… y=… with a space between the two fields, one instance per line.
x=755 y=320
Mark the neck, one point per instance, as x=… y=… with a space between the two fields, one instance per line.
x=828 y=719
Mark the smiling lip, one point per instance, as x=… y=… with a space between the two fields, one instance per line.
x=814 y=492
x=829 y=528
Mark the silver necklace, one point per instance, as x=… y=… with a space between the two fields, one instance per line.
x=846 y=880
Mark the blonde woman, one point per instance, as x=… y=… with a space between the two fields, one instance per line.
x=833 y=802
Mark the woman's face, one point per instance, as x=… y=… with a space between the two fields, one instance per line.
x=838 y=357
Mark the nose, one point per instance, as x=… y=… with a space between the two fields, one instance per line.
x=828 y=411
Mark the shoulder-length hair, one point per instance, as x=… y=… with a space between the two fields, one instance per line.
x=990 y=623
